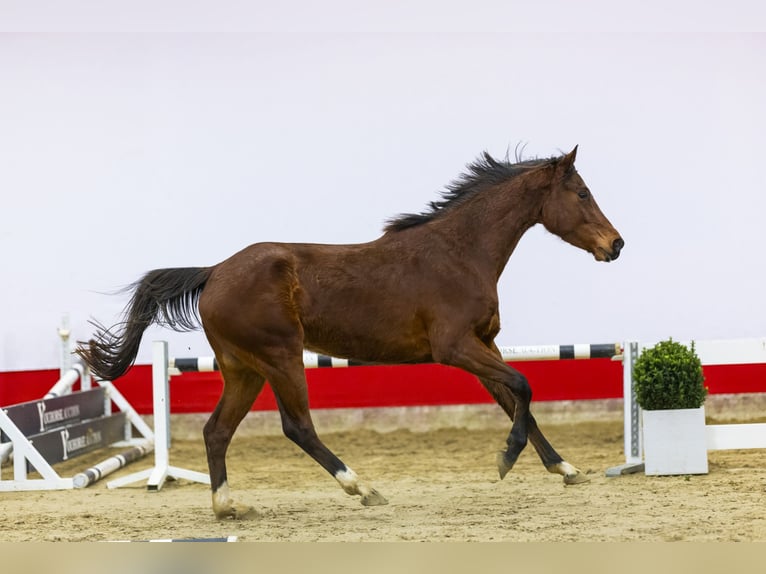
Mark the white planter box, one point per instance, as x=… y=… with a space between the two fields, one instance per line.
x=675 y=442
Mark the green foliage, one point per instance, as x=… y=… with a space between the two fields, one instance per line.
x=669 y=376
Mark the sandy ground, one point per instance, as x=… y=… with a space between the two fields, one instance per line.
x=442 y=486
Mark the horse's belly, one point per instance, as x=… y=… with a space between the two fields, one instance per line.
x=371 y=339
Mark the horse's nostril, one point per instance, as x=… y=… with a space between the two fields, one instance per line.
x=617 y=245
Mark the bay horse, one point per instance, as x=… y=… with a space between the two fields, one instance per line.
x=425 y=291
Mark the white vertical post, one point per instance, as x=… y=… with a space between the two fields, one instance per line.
x=632 y=412
x=66 y=352
x=160 y=391
x=633 y=441
x=161 y=398
x=86 y=381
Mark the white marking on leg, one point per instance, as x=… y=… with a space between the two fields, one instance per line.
x=348 y=481
x=225 y=507
x=222 y=504
x=564 y=468
x=571 y=474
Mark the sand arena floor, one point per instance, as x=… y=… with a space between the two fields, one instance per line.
x=442 y=485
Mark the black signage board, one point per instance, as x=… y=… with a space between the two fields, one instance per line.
x=64 y=443
x=35 y=417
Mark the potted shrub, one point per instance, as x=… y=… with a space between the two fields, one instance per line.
x=670 y=389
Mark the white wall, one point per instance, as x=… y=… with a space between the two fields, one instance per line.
x=121 y=153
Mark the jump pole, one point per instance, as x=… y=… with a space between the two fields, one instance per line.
x=110 y=465
x=313 y=360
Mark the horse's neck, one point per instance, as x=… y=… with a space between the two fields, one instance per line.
x=489 y=227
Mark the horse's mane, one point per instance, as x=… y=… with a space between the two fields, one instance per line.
x=484 y=172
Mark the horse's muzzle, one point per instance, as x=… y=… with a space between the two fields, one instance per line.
x=617 y=246
x=607 y=255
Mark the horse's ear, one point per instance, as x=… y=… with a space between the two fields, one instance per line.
x=566 y=163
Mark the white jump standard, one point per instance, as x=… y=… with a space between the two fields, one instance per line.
x=155 y=477
x=718 y=437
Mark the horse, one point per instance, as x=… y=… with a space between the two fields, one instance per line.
x=425 y=291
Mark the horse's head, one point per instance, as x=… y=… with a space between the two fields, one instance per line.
x=571 y=213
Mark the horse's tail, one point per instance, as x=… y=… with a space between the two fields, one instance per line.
x=167 y=297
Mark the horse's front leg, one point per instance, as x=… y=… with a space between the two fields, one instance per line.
x=512 y=392
x=516 y=396
x=551 y=459
x=474 y=356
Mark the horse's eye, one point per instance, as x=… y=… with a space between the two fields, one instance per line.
x=582 y=194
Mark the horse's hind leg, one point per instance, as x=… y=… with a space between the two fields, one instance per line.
x=289 y=385
x=241 y=387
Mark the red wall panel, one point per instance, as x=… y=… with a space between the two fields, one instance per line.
x=389 y=386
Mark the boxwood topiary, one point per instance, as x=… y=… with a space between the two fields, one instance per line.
x=669 y=376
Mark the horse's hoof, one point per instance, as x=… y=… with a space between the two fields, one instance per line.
x=571 y=474
x=577 y=478
x=374 y=498
x=503 y=464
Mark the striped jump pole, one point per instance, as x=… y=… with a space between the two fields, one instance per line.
x=110 y=465
x=562 y=352
x=510 y=354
